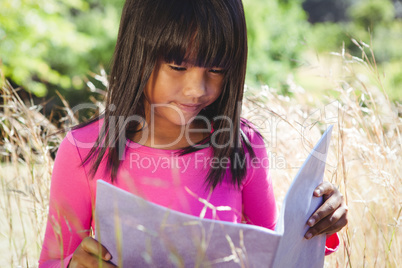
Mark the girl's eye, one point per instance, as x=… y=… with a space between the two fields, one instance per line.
x=177 y=68
x=217 y=71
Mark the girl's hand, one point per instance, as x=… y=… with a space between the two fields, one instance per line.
x=90 y=253
x=331 y=216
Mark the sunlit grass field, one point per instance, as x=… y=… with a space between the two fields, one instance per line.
x=364 y=159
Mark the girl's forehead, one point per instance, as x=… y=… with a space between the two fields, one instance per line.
x=194 y=49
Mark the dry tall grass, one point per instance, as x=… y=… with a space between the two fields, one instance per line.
x=365 y=158
x=364 y=161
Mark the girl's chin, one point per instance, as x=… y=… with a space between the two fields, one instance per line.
x=185 y=122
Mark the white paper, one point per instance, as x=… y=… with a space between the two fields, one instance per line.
x=138 y=233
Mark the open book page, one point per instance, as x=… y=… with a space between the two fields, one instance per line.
x=141 y=234
x=298 y=205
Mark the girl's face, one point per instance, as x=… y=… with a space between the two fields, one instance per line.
x=175 y=94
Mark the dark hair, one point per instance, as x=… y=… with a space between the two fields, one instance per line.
x=150 y=30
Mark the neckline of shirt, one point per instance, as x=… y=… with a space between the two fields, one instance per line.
x=132 y=145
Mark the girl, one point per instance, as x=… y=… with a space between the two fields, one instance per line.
x=171 y=131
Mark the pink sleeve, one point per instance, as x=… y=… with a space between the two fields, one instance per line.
x=70 y=209
x=259 y=207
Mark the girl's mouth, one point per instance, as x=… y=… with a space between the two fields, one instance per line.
x=188 y=107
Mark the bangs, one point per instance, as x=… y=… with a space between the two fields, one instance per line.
x=204 y=35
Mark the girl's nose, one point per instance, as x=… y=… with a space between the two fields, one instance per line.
x=196 y=83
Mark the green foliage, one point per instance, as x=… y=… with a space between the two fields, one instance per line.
x=392 y=72
x=275 y=38
x=370 y=21
x=51 y=44
x=327 y=36
x=387 y=42
x=369 y=14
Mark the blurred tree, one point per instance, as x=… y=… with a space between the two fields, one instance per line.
x=275 y=37
x=367 y=20
x=52 y=44
x=369 y=14
x=377 y=23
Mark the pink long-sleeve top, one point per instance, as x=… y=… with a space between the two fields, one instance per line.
x=160 y=176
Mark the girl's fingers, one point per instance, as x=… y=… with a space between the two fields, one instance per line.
x=93 y=247
x=89 y=261
x=90 y=253
x=333 y=199
x=330 y=224
x=331 y=216
x=325 y=188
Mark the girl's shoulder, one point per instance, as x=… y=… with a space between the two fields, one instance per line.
x=88 y=133
x=81 y=139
